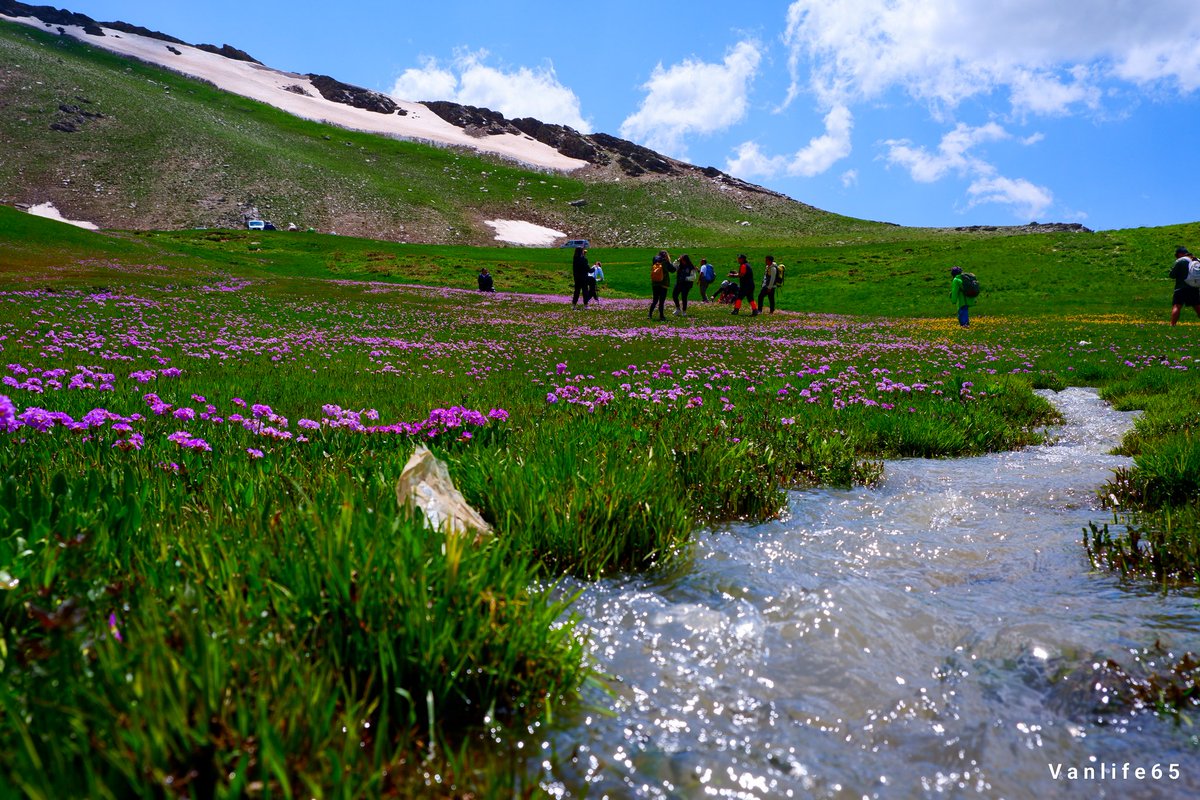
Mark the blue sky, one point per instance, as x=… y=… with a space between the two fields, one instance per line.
x=919 y=112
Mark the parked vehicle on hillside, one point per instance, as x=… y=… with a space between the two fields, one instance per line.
x=575 y=243
x=255 y=225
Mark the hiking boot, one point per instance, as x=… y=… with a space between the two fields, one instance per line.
x=754 y=313
x=675 y=313
x=683 y=313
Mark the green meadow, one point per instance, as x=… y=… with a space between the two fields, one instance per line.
x=209 y=587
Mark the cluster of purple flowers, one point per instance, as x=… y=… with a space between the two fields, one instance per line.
x=37 y=380
x=261 y=421
x=456 y=419
x=189 y=442
x=147 y=375
x=590 y=397
x=43 y=420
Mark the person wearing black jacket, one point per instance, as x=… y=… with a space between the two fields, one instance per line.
x=1185 y=294
x=579 y=272
x=683 y=284
x=486 y=283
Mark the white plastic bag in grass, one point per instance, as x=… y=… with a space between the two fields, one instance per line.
x=425 y=484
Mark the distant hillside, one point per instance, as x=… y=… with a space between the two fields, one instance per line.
x=125 y=144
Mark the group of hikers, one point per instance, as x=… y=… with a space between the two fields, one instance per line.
x=740 y=285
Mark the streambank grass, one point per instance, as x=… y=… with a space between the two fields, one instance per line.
x=207 y=586
x=1156 y=502
x=204 y=642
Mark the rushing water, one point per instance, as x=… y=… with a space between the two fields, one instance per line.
x=934 y=634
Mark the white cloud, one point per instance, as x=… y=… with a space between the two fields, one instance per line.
x=523 y=92
x=954 y=155
x=693 y=97
x=824 y=151
x=1028 y=200
x=750 y=161
x=1167 y=58
x=1047 y=57
x=1047 y=95
x=849 y=178
x=430 y=82
x=815 y=158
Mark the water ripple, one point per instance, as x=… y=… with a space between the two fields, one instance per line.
x=940 y=633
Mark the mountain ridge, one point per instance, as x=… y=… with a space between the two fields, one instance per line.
x=617 y=192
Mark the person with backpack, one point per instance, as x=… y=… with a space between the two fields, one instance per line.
x=769 y=282
x=579 y=273
x=707 y=276
x=683 y=284
x=964 y=288
x=1186 y=272
x=660 y=281
x=745 y=275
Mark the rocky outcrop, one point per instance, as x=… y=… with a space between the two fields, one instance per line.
x=72 y=118
x=633 y=159
x=1033 y=227
x=125 y=27
x=58 y=17
x=475 y=121
x=568 y=141
x=50 y=16
x=599 y=149
x=337 y=92
x=229 y=52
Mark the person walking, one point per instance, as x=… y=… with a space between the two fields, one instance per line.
x=1185 y=294
x=770 y=274
x=683 y=284
x=959 y=295
x=745 y=275
x=660 y=281
x=579 y=273
x=707 y=276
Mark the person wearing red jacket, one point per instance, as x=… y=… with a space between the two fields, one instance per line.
x=745 y=276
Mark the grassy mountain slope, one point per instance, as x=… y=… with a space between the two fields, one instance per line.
x=152 y=150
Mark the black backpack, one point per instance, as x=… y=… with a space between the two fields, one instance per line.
x=970 y=284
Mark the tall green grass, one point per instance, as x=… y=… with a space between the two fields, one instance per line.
x=191 y=622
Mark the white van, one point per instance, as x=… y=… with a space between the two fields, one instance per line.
x=575 y=243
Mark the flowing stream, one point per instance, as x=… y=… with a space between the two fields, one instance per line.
x=940 y=633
